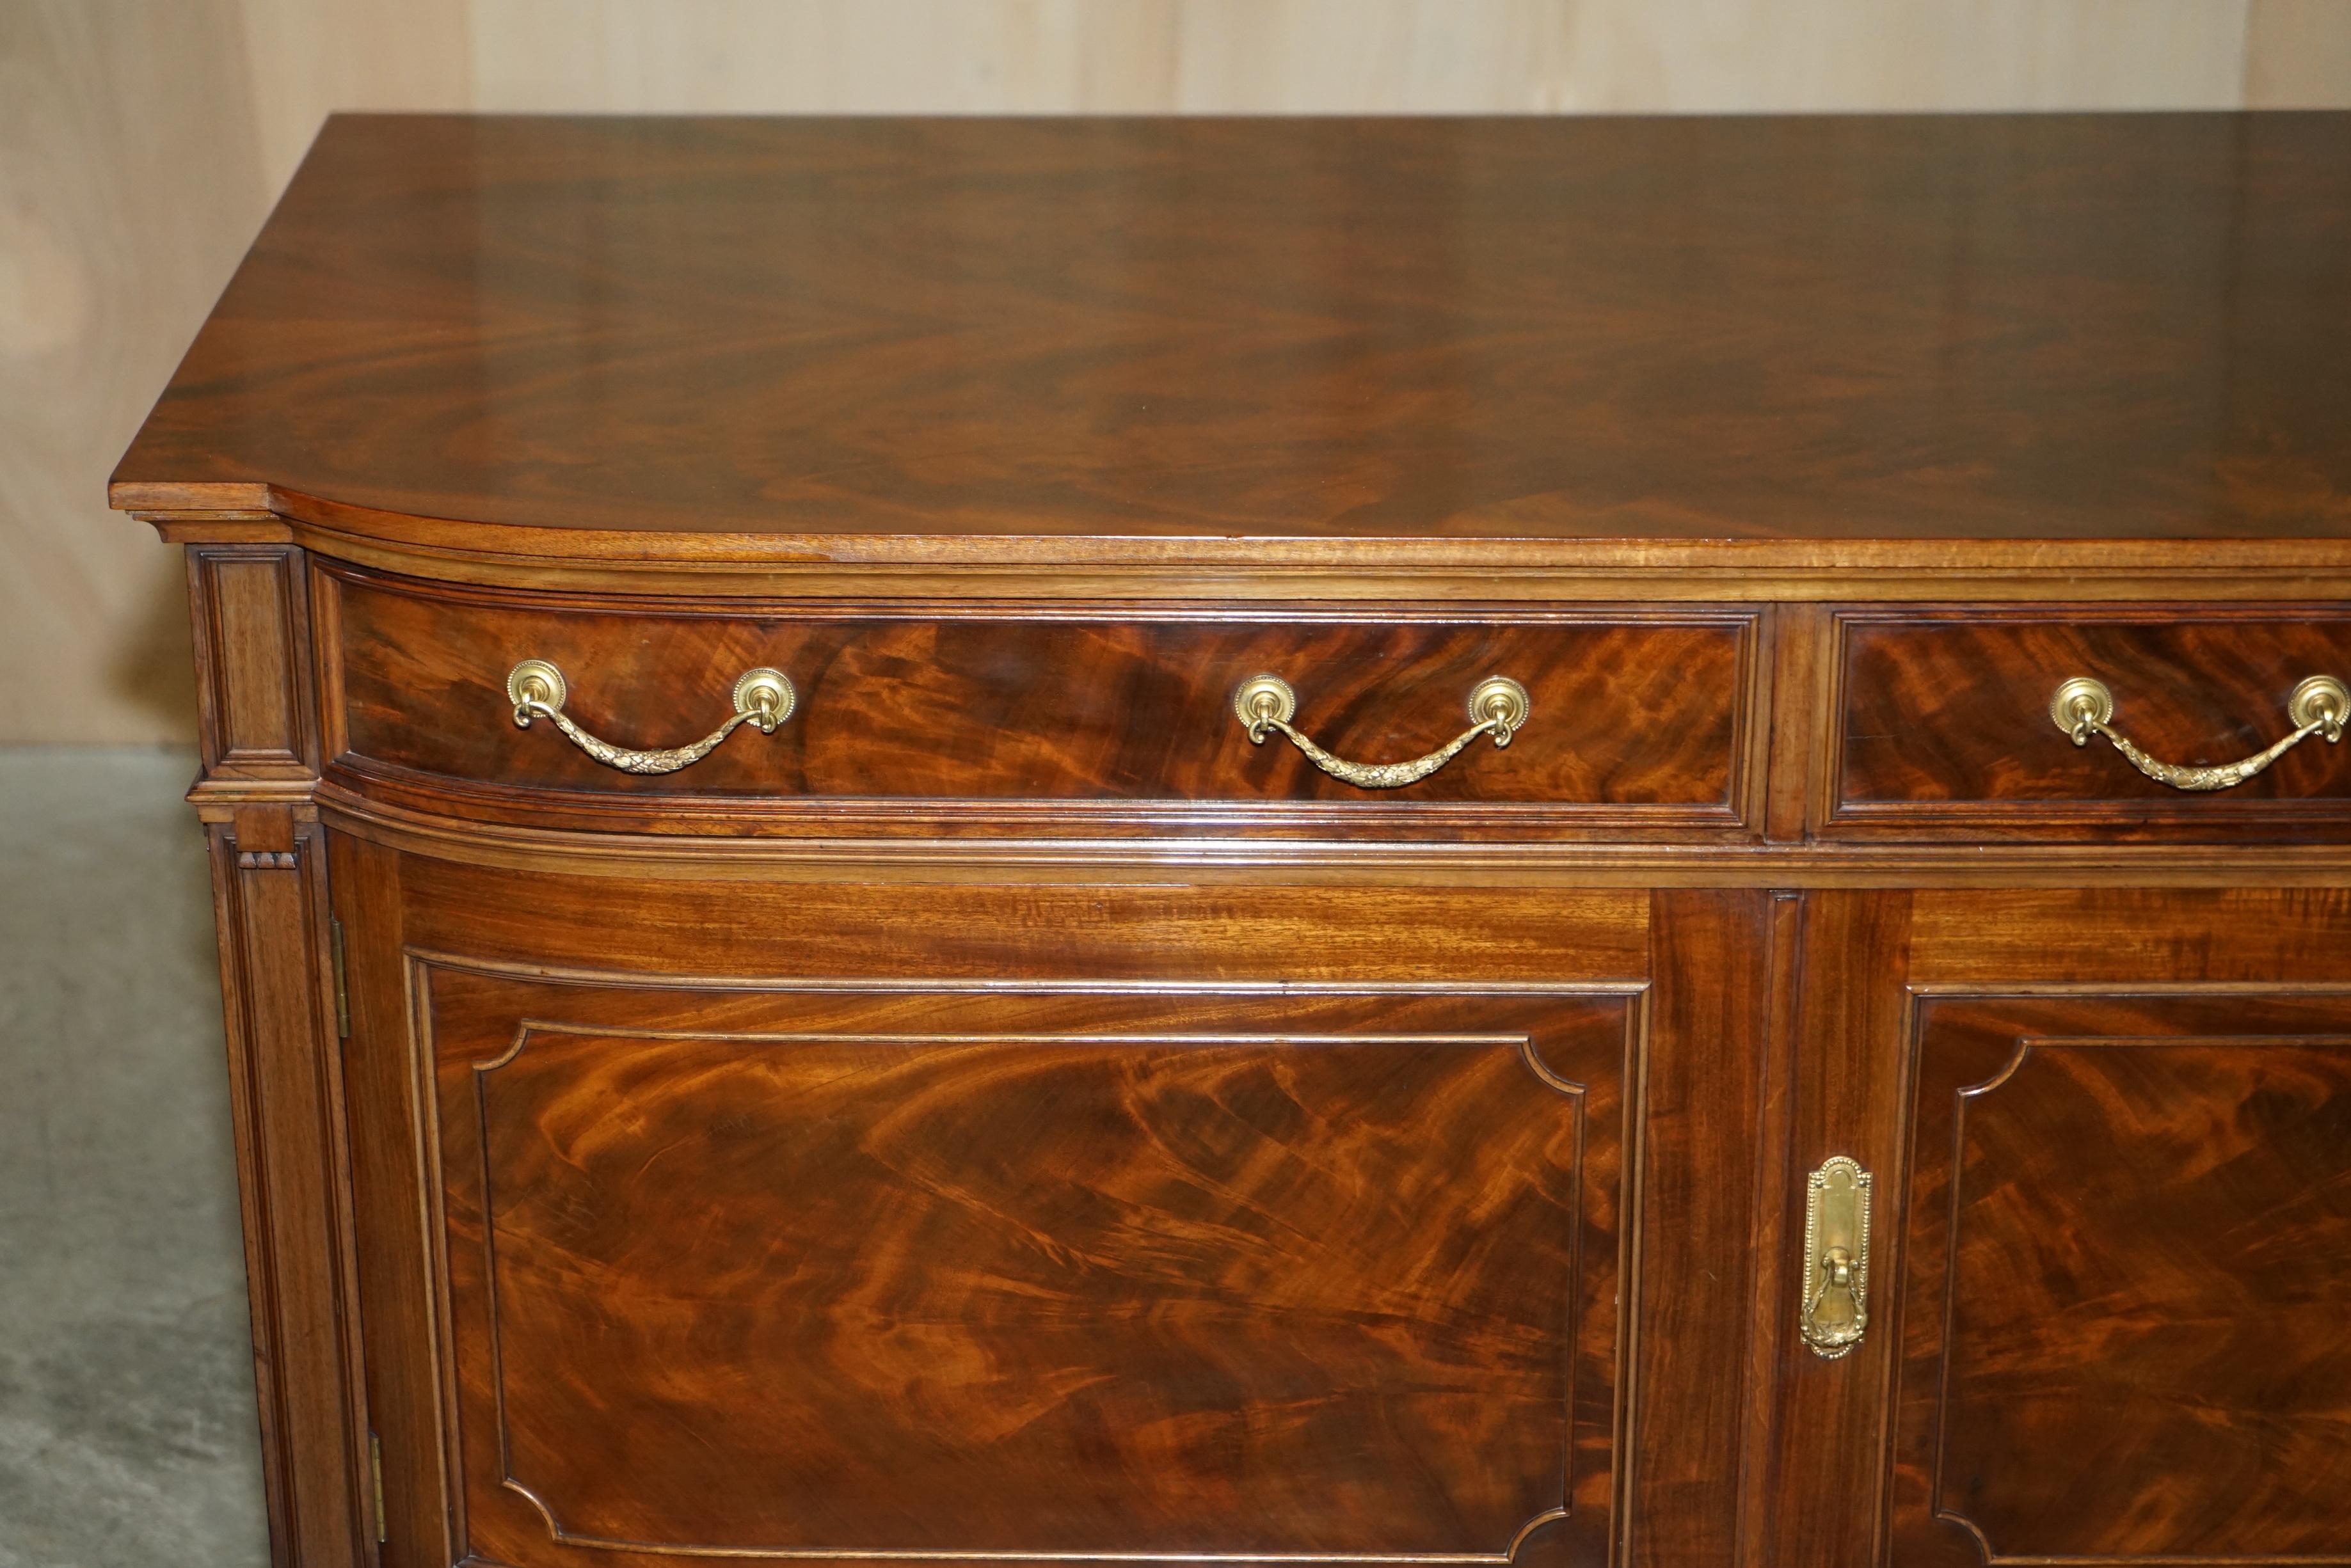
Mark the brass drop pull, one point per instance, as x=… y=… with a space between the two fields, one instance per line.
x=1837 y=1257
x=2317 y=706
x=537 y=689
x=1498 y=706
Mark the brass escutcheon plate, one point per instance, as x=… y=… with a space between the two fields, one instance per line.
x=1834 y=1313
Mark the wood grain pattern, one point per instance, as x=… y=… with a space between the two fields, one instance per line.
x=933 y=1272
x=1706 y=1072
x=1645 y=712
x=1844 y=971
x=1248 y=951
x=409 y=1408
x=1944 y=720
x=1100 y=1172
x=148 y=139
x=1476 y=328
x=2127 y=1218
x=253 y=662
x=287 y=1097
x=1262 y=933
x=2237 y=935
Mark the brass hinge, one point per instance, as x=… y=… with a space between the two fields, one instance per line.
x=342 y=984
x=375 y=1464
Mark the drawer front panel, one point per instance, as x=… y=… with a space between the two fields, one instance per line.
x=1945 y=719
x=1633 y=716
x=787 y=1272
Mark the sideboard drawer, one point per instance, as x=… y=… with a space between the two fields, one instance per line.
x=1949 y=718
x=1631 y=715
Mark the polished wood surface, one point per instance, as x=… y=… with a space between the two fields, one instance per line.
x=2124 y=1213
x=1961 y=328
x=145 y=155
x=1302 y=1228
x=1944 y=718
x=1709 y=1071
x=253 y=674
x=2123 y=1296
x=286 y=1093
x=1818 y=1444
x=1004 y=1113
x=1020 y=1275
x=1644 y=711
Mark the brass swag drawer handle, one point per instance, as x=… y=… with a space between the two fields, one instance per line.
x=537 y=689
x=1498 y=706
x=2317 y=705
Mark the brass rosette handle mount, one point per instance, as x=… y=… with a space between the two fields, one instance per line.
x=2083 y=707
x=1499 y=707
x=537 y=689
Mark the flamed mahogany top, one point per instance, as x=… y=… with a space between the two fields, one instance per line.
x=1931 y=329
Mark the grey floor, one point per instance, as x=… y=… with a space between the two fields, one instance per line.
x=126 y=1381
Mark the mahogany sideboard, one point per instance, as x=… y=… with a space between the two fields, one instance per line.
x=1467 y=842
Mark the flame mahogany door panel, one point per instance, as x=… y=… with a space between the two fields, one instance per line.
x=2116 y=1269
x=2130 y=1272
x=743 y=1257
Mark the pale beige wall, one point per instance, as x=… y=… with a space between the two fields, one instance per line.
x=142 y=141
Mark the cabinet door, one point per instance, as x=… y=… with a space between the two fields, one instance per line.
x=2114 y=1274
x=758 y=1222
